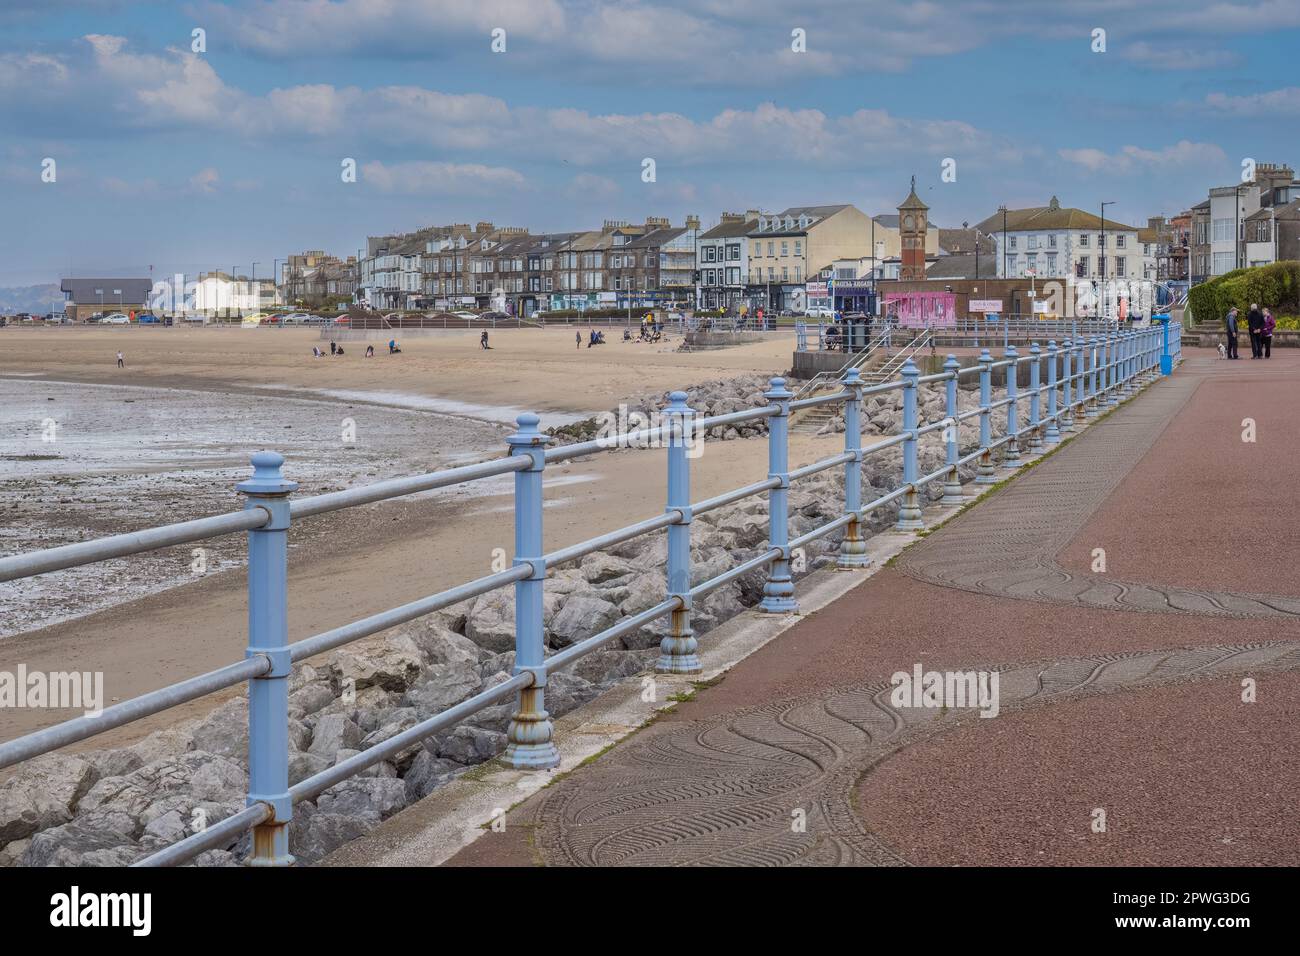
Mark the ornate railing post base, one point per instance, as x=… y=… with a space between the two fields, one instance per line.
x=985 y=475
x=909 y=514
x=530 y=745
x=678 y=651
x=1011 y=454
x=778 y=596
x=952 y=494
x=853 y=549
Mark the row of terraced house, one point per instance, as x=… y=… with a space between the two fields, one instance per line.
x=753 y=259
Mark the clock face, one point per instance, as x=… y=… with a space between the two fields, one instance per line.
x=908 y=221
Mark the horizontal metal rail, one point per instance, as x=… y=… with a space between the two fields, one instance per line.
x=1092 y=374
x=132 y=542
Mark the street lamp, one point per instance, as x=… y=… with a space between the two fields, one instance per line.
x=1003 y=210
x=1101 y=262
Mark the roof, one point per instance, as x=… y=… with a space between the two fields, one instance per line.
x=1147 y=234
x=84 y=291
x=1051 y=216
x=962 y=266
x=655 y=238
x=730 y=230
x=913 y=201
x=815 y=213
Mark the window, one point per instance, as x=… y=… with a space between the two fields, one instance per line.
x=798 y=247
x=1051 y=263
x=1120 y=267
x=1085 y=264
x=785 y=273
x=1120 y=239
x=1222 y=263
x=771 y=246
x=785 y=248
x=1011 y=243
x=1011 y=265
x=1083 y=240
x=733 y=251
x=1051 y=241
x=1031 y=262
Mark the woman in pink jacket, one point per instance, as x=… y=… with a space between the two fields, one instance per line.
x=1270 y=324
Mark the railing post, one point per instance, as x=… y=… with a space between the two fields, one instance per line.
x=778 y=591
x=853 y=548
x=677 y=651
x=1067 y=379
x=268 y=636
x=1103 y=365
x=1117 y=377
x=1052 y=434
x=529 y=745
x=909 y=512
x=985 y=474
x=952 y=480
x=1035 y=403
x=1011 y=452
x=1080 y=382
x=1092 y=357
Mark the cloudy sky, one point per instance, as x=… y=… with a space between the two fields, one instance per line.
x=216 y=159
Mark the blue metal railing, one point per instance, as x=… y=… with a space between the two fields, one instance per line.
x=1092 y=374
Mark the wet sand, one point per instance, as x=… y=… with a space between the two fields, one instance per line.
x=363 y=560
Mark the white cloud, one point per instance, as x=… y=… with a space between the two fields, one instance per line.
x=1131 y=158
x=588 y=187
x=429 y=178
x=1282 y=102
x=1165 y=56
x=176 y=89
x=721 y=41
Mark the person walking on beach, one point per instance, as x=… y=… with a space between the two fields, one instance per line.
x=1230 y=327
x=483 y=340
x=1270 y=324
x=577 y=338
x=121 y=362
x=1255 y=325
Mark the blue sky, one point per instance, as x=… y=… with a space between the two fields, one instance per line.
x=188 y=161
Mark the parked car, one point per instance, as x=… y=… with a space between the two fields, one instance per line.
x=462 y=314
x=297 y=318
x=148 y=318
x=117 y=318
x=819 y=312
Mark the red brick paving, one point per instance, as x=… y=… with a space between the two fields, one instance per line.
x=1180 y=769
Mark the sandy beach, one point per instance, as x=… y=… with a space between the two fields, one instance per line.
x=442 y=401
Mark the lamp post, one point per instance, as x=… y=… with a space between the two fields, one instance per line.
x=1003 y=210
x=1101 y=261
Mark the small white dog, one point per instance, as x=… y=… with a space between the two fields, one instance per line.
x=1223 y=352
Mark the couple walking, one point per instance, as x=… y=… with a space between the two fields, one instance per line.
x=1259 y=324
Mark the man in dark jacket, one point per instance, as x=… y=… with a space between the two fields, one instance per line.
x=1230 y=327
x=1255 y=323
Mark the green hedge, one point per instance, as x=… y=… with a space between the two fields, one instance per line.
x=1275 y=286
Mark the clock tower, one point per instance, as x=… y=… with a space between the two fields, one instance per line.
x=913 y=222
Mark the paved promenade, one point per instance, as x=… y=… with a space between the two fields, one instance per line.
x=1120 y=690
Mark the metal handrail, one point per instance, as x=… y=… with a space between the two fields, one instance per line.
x=903 y=356
x=1092 y=374
x=855 y=360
